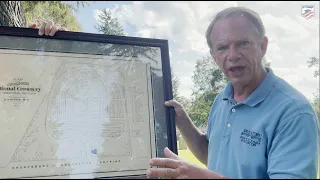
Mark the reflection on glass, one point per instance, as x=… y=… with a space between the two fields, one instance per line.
x=92 y=116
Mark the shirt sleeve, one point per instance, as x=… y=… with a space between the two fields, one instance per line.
x=295 y=148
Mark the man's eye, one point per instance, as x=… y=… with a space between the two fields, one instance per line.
x=244 y=43
x=221 y=48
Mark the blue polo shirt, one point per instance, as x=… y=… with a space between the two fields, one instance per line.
x=272 y=134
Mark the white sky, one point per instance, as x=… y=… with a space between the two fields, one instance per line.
x=292 y=38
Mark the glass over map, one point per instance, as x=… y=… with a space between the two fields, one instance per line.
x=74 y=115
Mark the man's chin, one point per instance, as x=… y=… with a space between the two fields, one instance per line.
x=237 y=81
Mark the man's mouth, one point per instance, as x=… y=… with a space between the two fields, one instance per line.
x=236 y=68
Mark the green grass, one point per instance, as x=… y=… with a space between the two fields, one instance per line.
x=188 y=156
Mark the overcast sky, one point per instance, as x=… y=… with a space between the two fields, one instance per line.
x=292 y=38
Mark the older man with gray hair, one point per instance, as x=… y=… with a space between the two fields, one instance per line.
x=259 y=126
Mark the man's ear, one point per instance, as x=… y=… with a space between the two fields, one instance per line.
x=264 y=46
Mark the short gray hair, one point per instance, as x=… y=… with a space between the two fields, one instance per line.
x=248 y=13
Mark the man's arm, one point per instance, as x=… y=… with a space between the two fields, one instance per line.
x=195 y=139
x=294 y=150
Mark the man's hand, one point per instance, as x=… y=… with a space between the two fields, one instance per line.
x=48 y=28
x=179 y=110
x=175 y=168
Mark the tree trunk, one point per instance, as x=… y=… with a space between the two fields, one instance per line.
x=11 y=14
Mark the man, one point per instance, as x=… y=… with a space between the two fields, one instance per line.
x=259 y=126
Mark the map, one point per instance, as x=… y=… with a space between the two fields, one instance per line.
x=74 y=115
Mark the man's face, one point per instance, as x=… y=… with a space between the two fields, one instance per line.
x=237 y=49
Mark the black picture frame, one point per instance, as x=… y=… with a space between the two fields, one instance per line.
x=80 y=37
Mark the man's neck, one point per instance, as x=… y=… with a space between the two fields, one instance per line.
x=242 y=92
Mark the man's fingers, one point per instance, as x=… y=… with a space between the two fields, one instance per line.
x=54 y=30
x=162 y=172
x=170 y=154
x=173 y=103
x=63 y=29
x=164 y=162
x=32 y=25
x=48 y=27
x=42 y=28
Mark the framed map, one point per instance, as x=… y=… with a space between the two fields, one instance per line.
x=79 y=105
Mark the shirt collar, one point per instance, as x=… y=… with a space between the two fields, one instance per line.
x=259 y=94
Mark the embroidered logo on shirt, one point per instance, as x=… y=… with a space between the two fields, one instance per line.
x=250 y=137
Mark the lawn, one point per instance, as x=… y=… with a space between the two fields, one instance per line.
x=188 y=156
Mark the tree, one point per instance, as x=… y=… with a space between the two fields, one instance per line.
x=176 y=94
x=208 y=81
x=109 y=25
x=12 y=13
x=58 y=12
x=314 y=62
x=200 y=108
x=207 y=76
x=186 y=102
x=175 y=86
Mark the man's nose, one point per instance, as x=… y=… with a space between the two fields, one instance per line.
x=233 y=53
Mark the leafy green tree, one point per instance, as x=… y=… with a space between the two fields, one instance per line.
x=108 y=24
x=56 y=11
x=200 y=108
x=208 y=81
x=18 y=13
x=207 y=76
x=186 y=102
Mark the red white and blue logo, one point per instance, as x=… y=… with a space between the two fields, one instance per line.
x=307 y=11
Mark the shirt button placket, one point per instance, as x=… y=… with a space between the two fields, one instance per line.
x=229 y=123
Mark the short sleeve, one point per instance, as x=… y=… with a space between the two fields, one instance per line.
x=295 y=148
